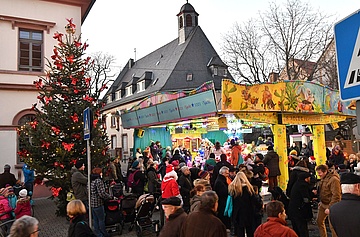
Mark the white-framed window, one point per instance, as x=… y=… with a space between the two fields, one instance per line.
x=128 y=91
x=113 y=142
x=215 y=71
x=124 y=143
x=141 y=86
x=113 y=121
x=118 y=95
x=189 y=77
x=109 y=99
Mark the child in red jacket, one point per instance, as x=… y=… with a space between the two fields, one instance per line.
x=23 y=206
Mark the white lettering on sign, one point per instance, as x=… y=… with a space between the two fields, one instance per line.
x=353 y=75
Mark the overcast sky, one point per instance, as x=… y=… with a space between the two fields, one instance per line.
x=117 y=27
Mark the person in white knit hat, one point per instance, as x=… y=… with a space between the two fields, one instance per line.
x=23 y=206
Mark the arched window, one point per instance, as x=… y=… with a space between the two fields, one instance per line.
x=188 y=20
x=181 y=23
x=22 y=121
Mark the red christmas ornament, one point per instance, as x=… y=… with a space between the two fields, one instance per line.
x=38 y=84
x=55 y=191
x=70 y=59
x=55 y=130
x=34 y=124
x=45 y=144
x=87 y=81
x=75 y=118
x=73 y=80
x=58 y=36
x=67 y=146
x=95 y=122
x=76 y=91
x=47 y=99
x=77 y=44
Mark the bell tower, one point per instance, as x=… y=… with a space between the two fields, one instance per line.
x=187 y=21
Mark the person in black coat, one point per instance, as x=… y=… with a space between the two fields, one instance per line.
x=258 y=170
x=139 y=179
x=78 y=226
x=221 y=189
x=223 y=162
x=299 y=209
x=186 y=186
x=344 y=215
x=300 y=167
x=271 y=161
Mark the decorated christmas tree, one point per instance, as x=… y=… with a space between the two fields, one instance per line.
x=54 y=140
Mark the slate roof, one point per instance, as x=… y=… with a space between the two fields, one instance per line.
x=170 y=65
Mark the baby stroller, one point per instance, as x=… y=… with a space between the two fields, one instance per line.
x=113 y=214
x=143 y=219
x=127 y=207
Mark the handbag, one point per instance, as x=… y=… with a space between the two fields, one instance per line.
x=229 y=206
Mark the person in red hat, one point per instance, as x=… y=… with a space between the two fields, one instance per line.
x=169 y=188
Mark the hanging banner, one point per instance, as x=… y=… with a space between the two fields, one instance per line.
x=286 y=96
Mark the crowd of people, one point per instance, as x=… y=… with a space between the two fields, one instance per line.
x=217 y=196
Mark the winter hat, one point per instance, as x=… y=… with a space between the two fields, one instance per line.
x=182 y=164
x=312 y=157
x=270 y=148
x=349 y=178
x=303 y=175
x=210 y=168
x=175 y=163
x=202 y=174
x=170 y=172
x=293 y=152
x=7 y=167
x=23 y=193
x=79 y=163
x=173 y=201
x=169 y=168
x=135 y=164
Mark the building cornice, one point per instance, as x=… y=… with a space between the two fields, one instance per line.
x=26 y=22
x=17 y=87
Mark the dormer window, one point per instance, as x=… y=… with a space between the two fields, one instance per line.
x=189 y=77
x=128 y=91
x=141 y=86
x=109 y=99
x=118 y=95
x=215 y=71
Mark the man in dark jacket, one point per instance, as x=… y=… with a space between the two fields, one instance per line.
x=204 y=223
x=299 y=209
x=7 y=177
x=221 y=189
x=344 y=214
x=221 y=163
x=271 y=161
x=175 y=217
x=186 y=185
x=79 y=182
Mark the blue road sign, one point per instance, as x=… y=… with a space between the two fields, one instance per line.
x=347 y=43
x=87 y=123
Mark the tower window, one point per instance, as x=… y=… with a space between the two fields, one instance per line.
x=181 y=24
x=188 y=20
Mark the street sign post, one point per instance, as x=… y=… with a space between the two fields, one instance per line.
x=87 y=123
x=87 y=131
x=347 y=44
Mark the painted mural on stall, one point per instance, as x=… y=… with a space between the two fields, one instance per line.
x=287 y=96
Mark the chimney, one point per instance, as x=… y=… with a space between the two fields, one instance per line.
x=131 y=63
x=273 y=77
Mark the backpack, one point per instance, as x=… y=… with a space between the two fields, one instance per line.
x=131 y=180
x=265 y=176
